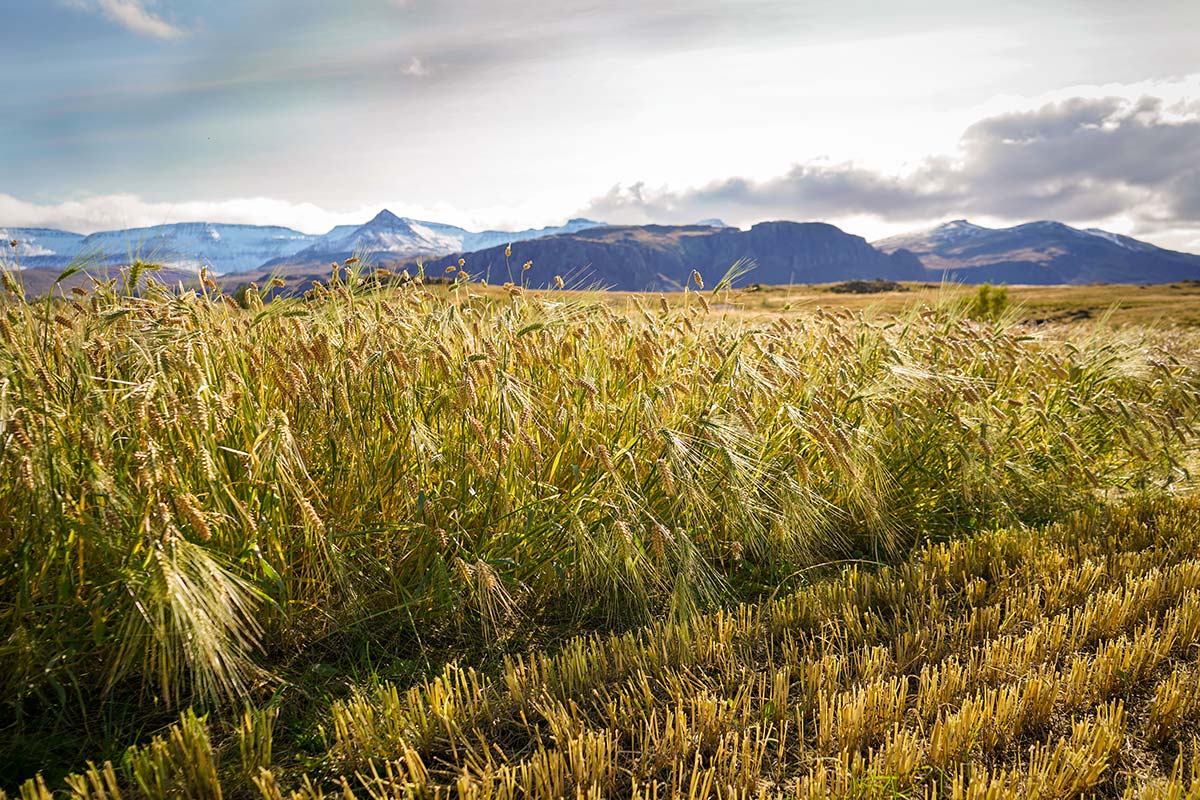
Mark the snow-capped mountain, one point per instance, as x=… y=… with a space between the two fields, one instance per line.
x=40 y=242
x=389 y=236
x=238 y=248
x=485 y=239
x=221 y=248
x=188 y=246
x=1127 y=242
x=385 y=233
x=1042 y=252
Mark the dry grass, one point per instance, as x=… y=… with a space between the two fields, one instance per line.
x=1159 y=306
x=1052 y=663
x=198 y=501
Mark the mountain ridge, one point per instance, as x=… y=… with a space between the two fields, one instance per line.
x=395 y=236
x=1040 y=252
x=629 y=256
x=661 y=257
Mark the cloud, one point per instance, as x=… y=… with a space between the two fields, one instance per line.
x=1083 y=159
x=416 y=68
x=118 y=211
x=134 y=15
x=115 y=211
x=1127 y=163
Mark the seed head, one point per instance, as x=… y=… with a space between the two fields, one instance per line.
x=587 y=386
x=535 y=452
x=207 y=467
x=27 y=473
x=487 y=576
x=19 y=434
x=668 y=477
x=606 y=458
x=657 y=540
x=464 y=569
x=191 y=510
x=311 y=517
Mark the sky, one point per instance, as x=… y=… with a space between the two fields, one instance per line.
x=879 y=117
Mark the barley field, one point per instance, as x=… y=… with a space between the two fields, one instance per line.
x=397 y=540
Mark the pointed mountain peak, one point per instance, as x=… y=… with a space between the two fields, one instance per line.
x=385 y=218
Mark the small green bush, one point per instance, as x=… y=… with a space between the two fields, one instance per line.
x=989 y=302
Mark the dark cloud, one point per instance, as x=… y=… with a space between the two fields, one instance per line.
x=1080 y=159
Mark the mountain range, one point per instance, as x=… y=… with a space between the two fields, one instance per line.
x=225 y=248
x=628 y=257
x=387 y=235
x=191 y=245
x=1043 y=252
x=661 y=257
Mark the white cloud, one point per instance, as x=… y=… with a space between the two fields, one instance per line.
x=416 y=68
x=118 y=211
x=115 y=211
x=134 y=15
x=1117 y=157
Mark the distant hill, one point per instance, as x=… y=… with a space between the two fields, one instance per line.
x=1043 y=252
x=659 y=257
x=389 y=237
x=627 y=257
x=186 y=245
x=228 y=249
x=34 y=243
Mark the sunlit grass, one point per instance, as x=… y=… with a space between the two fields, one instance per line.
x=196 y=498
